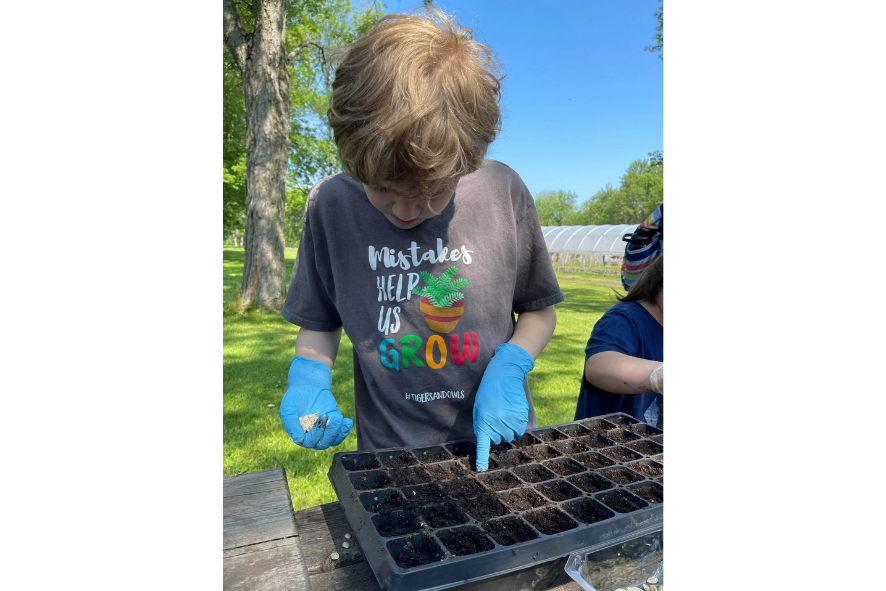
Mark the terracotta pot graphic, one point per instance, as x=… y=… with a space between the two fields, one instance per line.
x=442 y=320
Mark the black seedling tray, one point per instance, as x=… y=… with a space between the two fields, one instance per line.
x=425 y=520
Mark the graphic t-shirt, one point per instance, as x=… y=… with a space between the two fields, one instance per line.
x=419 y=357
x=630 y=329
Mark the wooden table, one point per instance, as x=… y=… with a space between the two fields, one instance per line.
x=270 y=547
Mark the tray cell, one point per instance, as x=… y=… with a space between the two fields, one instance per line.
x=429 y=455
x=645 y=447
x=644 y=430
x=550 y=434
x=622 y=420
x=621 y=501
x=570 y=446
x=512 y=458
x=523 y=499
x=542 y=452
x=463 y=488
x=525 y=440
x=360 y=461
x=533 y=473
x=500 y=480
x=447 y=470
x=649 y=468
x=371 y=479
x=622 y=436
x=587 y=510
x=397 y=459
x=590 y=482
x=443 y=515
x=395 y=524
x=558 y=490
x=596 y=440
x=593 y=460
x=484 y=506
x=564 y=466
x=651 y=492
x=597 y=425
x=510 y=530
x=411 y=475
x=621 y=475
x=575 y=430
x=424 y=494
x=550 y=520
x=415 y=551
x=463 y=541
x=621 y=454
x=461 y=448
x=383 y=501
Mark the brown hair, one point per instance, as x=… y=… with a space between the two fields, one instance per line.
x=415 y=100
x=648 y=284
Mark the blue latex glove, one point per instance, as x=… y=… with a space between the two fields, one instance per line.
x=500 y=408
x=308 y=394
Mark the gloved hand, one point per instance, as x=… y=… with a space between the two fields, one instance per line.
x=656 y=379
x=308 y=394
x=500 y=408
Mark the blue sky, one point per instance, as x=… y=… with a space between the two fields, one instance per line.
x=581 y=99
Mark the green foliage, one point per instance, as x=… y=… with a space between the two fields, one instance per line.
x=659 y=34
x=233 y=149
x=442 y=292
x=555 y=208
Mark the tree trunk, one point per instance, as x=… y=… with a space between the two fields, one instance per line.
x=266 y=87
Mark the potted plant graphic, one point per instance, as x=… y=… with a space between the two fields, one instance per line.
x=442 y=302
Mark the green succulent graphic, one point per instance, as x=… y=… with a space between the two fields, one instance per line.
x=442 y=292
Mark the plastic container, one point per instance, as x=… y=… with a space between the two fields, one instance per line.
x=425 y=521
x=632 y=563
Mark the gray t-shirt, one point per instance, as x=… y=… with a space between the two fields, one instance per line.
x=417 y=366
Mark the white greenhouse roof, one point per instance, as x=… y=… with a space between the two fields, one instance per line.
x=587 y=239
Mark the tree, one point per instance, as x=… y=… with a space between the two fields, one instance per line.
x=640 y=192
x=659 y=34
x=263 y=38
x=555 y=208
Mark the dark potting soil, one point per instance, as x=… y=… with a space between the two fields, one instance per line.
x=470 y=462
x=367 y=483
x=620 y=454
x=552 y=435
x=447 y=471
x=571 y=446
x=411 y=475
x=597 y=425
x=621 y=435
x=426 y=494
x=443 y=515
x=511 y=459
x=524 y=441
x=558 y=490
x=509 y=530
x=427 y=458
x=564 y=468
x=418 y=553
x=396 y=524
x=590 y=483
x=500 y=447
x=596 y=440
x=650 y=494
x=542 y=452
x=483 y=506
x=593 y=460
x=465 y=540
x=549 y=521
x=388 y=504
x=616 y=502
x=645 y=447
x=536 y=473
x=523 y=499
x=401 y=461
x=622 y=476
x=463 y=488
x=658 y=439
x=585 y=511
x=501 y=481
x=363 y=463
x=647 y=469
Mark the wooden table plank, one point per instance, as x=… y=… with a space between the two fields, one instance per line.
x=269 y=566
x=257 y=508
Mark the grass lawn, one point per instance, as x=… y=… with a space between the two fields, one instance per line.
x=258 y=347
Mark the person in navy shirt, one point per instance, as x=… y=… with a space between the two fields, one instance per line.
x=624 y=359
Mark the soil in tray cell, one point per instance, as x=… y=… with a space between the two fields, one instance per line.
x=643 y=430
x=533 y=473
x=365 y=461
x=483 y=507
x=590 y=483
x=558 y=490
x=470 y=463
x=462 y=448
x=647 y=468
x=574 y=430
x=596 y=440
x=462 y=541
x=549 y=521
x=621 y=502
x=398 y=523
x=623 y=420
x=523 y=499
x=429 y=455
x=621 y=454
x=500 y=447
x=645 y=447
x=411 y=475
x=542 y=452
x=621 y=475
x=550 y=434
x=570 y=446
x=508 y=531
x=650 y=493
x=524 y=441
x=370 y=480
x=597 y=425
x=415 y=551
x=501 y=480
x=424 y=494
x=564 y=466
x=658 y=439
x=463 y=488
x=593 y=460
x=383 y=501
x=397 y=459
x=587 y=511
x=512 y=458
x=622 y=436
x=443 y=515
x=447 y=470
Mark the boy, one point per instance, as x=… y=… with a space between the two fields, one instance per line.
x=422 y=251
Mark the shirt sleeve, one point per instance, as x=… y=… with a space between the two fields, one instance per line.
x=537 y=285
x=308 y=303
x=613 y=332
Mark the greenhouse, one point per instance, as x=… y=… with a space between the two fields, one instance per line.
x=591 y=249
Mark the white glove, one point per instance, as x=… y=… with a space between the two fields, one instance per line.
x=656 y=379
